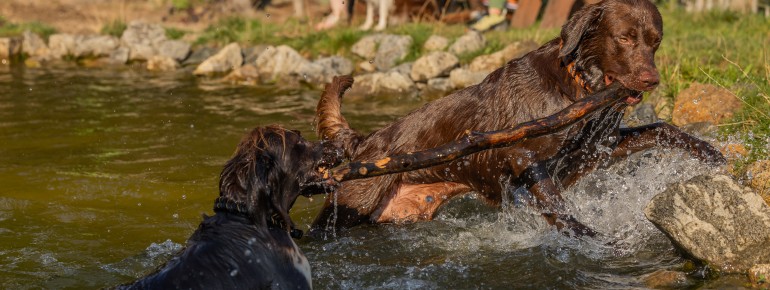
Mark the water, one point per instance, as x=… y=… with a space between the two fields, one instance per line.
x=104 y=173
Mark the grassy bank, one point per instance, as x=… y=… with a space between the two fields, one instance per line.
x=728 y=50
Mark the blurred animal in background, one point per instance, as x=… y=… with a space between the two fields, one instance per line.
x=248 y=244
x=383 y=8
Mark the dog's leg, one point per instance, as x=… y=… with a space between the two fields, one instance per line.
x=665 y=135
x=384 y=11
x=299 y=8
x=549 y=200
x=414 y=202
x=369 y=15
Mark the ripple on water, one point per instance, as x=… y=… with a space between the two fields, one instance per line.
x=153 y=256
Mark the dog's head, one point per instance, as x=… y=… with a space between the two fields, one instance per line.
x=268 y=169
x=614 y=41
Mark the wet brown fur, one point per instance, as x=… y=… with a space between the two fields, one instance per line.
x=613 y=40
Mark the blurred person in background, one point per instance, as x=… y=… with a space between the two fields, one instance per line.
x=495 y=16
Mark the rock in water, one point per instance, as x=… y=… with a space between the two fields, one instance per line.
x=470 y=42
x=716 y=221
x=143 y=40
x=392 y=49
x=435 y=43
x=704 y=103
x=432 y=65
x=9 y=48
x=227 y=59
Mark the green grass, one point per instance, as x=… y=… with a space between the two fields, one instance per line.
x=728 y=50
x=175 y=33
x=114 y=28
x=16 y=29
x=297 y=35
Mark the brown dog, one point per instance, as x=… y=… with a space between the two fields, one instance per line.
x=611 y=41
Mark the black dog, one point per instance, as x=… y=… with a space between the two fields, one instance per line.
x=247 y=243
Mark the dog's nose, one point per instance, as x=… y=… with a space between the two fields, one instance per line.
x=650 y=79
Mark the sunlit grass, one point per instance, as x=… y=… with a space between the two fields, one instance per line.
x=114 y=28
x=16 y=29
x=727 y=50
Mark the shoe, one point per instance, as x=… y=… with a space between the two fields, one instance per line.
x=488 y=22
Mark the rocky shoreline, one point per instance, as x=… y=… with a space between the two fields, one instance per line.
x=379 y=65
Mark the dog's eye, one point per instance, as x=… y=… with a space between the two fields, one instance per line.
x=624 y=40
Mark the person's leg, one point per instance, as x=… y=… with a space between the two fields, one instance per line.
x=330 y=21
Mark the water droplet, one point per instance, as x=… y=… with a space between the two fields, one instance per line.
x=184 y=196
x=247 y=252
x=139 y=204
x=429 y=198
x=371 y=61
x=176 y=215
x=30 y=89
x=233 y=273
x=192 y=126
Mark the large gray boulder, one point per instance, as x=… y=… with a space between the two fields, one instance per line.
x=199 y=56
x=392 y=49
x=9 y=47
x=432 y=65
x=463 y=77
x=227 y=59
x=281 y=62
x=175 y=49
x=61 y=44
x=491 y=62
x=435 y=43
x=162 y=63
x=470 y=42
x=94 y=45
x=383 y=83
x=366 y=47
x=336 y=65
x=716 y=221
x=119 y=55
x=33 y=45
x=383 y=50
x=143 y=40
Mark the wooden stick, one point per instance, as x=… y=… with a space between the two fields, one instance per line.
x=474 y=141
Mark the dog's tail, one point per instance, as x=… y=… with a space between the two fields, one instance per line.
x=330 y=124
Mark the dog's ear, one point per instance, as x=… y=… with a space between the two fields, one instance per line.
x=584 y=21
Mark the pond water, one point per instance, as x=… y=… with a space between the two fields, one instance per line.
x=104 y=173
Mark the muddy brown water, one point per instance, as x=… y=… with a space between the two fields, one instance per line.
x=104 y=173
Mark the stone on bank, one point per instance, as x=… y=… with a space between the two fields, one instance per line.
x=227 y=59
x=716 y=221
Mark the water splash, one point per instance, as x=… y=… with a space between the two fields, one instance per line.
x=515 y=243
